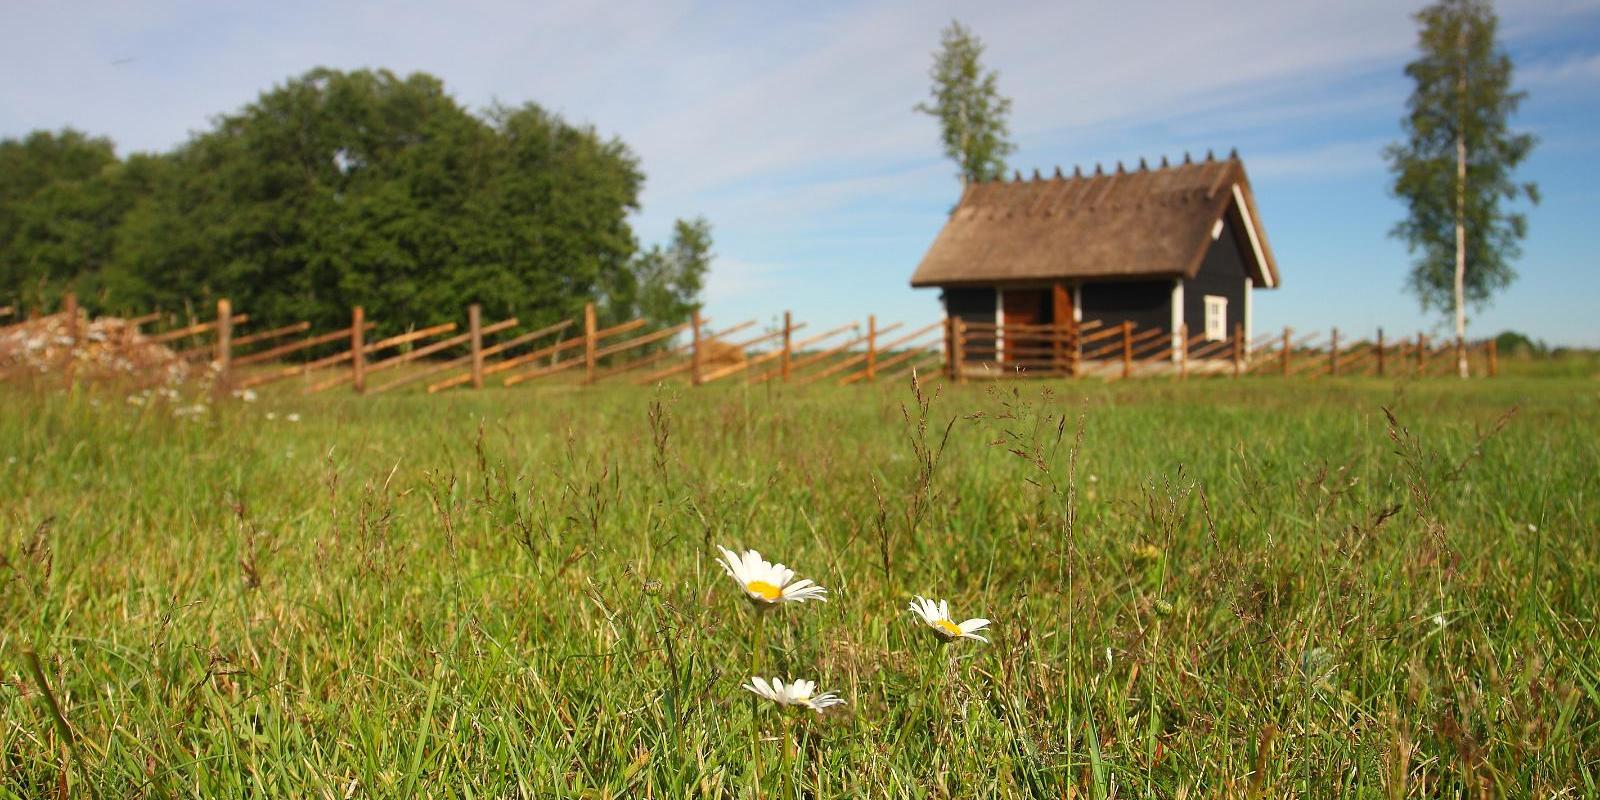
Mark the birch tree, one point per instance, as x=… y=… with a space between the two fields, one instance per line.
x=1454 y=169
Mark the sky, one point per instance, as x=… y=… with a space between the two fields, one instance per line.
x=790 y=125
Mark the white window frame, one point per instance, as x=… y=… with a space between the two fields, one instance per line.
x=1216 y=318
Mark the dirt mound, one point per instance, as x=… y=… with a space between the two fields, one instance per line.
x=63 y=347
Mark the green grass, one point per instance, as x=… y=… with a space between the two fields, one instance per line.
x=1200 y=589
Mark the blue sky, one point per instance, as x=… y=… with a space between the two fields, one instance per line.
x=790 y=126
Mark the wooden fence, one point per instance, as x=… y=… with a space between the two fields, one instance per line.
x=449 y=356
x=1127 y=350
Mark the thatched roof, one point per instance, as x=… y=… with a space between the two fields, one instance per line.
x=1129 y=223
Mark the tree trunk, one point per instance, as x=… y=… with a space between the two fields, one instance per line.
x=1461 y=211
x=1461 y=253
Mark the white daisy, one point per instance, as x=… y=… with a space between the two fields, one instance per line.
x=795 y=695
x=937 y=617
x=767 y=583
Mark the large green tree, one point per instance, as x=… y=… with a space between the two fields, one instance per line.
x=58 y=205
x=1454 y=170
x=337 y=189
x=966 y=100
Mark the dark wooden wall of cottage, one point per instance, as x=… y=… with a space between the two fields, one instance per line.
x=973 y=304
x=1147 y=303
x=1222 y=273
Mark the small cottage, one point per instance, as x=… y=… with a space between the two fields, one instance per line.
x=1175 y=246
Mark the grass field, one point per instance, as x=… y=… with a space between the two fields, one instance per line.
x=1199 y=589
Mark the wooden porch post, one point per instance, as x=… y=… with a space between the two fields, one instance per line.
x=1127 y=348
x=1074 y=347
x=1061 y=323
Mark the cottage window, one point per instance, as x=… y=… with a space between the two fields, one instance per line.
x=1216 y=318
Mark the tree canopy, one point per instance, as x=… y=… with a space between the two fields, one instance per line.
x=337 y=189
x=966 y=100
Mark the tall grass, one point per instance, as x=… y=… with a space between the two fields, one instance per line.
x=1202 y=589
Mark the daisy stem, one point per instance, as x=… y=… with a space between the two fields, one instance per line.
x=788 y=758
x=757 y=645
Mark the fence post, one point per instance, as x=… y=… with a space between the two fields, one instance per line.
x=358 y=348
x=788 y=344
x=1333 y=353
x=872 y=347
x=958 y=350
x=1380 y=352
x=1183 y=353
x=69 y=307
x=1057 y=331
x=1494 y=363
x=1074 y=347
x=475 y=326
x=588 y=342
x=694 y=359
x=224 y=345
x=1127 y=348
x=1284 y=356
x=1422 y=354
x=1238 y=348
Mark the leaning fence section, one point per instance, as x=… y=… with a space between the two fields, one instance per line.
x=578 y=351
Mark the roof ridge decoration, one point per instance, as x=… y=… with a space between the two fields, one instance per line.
x=1140 y=219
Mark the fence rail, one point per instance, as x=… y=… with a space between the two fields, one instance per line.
x=1128 y=350
x=443 y=357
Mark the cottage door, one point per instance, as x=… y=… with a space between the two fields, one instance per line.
x=1025 y=307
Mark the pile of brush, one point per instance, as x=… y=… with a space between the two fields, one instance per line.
x=67 y=347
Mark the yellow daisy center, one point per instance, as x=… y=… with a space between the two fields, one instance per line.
x=949 y=628
x=763 y=590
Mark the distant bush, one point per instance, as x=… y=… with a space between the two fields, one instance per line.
x=1514 y=343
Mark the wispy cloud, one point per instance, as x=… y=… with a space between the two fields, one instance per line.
x=1343 y=159
x=790 y=126
x=735 y=281
x=1576 y=70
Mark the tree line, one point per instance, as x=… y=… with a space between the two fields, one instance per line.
x=338 y=189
